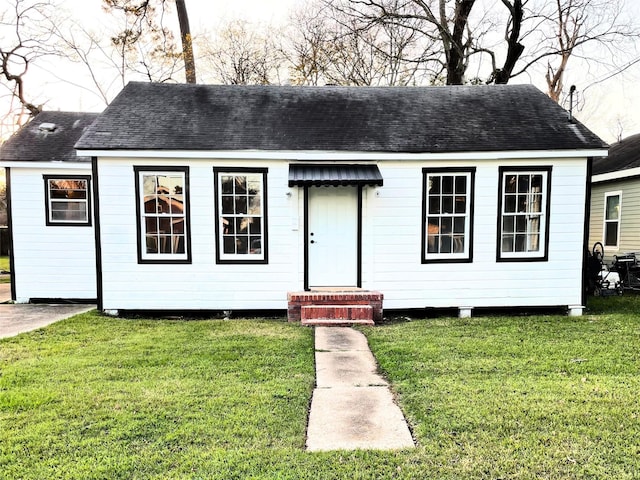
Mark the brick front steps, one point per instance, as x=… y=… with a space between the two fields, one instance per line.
x=335 y=308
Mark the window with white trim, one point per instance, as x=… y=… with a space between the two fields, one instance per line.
x=611 y=231
x=68 y=200
x=162 y=214
x=447 y=216
x=523 y=217
x=241 y=227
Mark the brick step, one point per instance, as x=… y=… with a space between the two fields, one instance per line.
x=334 y=299
x=327 y=315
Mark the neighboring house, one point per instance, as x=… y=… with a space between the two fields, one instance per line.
x=50 y=214
x=242 y=197
x=615 y=199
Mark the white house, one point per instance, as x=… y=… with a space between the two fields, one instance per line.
x=52 y=249
x=255 y=197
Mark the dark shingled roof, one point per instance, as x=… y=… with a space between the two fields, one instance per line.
x=153 y=116
x=622 y=156
x=35 y=144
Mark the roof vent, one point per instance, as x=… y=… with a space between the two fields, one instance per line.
x=47 y=127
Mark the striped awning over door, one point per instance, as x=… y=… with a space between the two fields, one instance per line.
x=334 y=175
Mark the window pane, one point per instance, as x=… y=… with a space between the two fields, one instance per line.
x=524 y=212
x=611 y=234
x=164 y=225
x=447 y=208
x=152 y=243
x=507 y=243
x=613 y=207
x=150 y=204
x=241 y=185
x=229 y=245
x=447 y=204
x=447 y=184
x=255 y=226
x=508 y=224
x=67 y=200
x=446 y=225
x=434 y=185
x=458 y=244
x=227 y=205
x=178 y=226
x=434 y=204
x=523 y=183
x=461 y=205
x=240 y=203
x=226 y=184
x=177 y=204
x=458 y=225
x=163 y=213
x=461 y=184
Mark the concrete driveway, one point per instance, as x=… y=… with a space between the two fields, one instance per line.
x=19 y=318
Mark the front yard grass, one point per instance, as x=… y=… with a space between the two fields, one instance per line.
x=488 y=397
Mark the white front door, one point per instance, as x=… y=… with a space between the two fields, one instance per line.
x=333 y=237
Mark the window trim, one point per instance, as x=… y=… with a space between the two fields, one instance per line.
x=240 y=258
x=466 y=257
x=47 y=201
x=617 y=193
x=541 y=256
x=162 y=258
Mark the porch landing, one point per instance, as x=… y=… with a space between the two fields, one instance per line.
x=335 y=307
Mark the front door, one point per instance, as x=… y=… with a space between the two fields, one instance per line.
x=332 y=237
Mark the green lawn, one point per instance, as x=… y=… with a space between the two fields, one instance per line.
x=4 y=266
x=505 y=397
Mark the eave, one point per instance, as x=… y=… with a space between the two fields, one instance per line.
x=344 y=156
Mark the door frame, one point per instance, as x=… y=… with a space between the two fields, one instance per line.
x=358 y=236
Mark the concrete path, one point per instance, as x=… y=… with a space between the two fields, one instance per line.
x=19 y=318
x=5 y=292
x=352 y=406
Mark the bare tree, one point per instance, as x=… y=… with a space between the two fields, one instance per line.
x=242 y=55
x=448 y=25
x=146 y=44
x=26 y=30
x=567 y=27
x=326 y=45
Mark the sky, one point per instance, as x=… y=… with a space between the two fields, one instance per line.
x=610 y=108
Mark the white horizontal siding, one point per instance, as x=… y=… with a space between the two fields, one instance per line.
x=391 y=244
x=203 y=284
x=55 y=262
x=394 y=237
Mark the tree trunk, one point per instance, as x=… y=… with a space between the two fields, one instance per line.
x=515 y=48
x=457 y=54
x=187 y=45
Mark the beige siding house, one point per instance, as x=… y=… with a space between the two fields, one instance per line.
x=615 y=200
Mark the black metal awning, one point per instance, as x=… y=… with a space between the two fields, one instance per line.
x=334 y=175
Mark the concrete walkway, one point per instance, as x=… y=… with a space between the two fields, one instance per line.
x=352 y=406
x=20 y=318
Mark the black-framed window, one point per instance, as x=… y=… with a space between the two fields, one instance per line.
x=523 y=213
x=241 y=215
x=162 y=206
x=612 y=206
x=68 y=200
x=447 y=217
